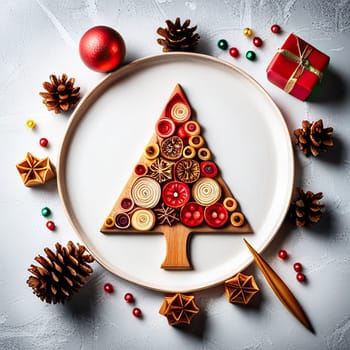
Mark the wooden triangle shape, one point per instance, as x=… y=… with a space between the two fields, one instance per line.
x=176 y=189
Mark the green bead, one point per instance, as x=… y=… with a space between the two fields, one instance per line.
x=250 y=55
x=45 y=211
x=222 y=44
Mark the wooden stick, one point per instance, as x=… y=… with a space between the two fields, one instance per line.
x=280 y=289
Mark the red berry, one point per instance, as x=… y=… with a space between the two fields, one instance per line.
x=300 y=277
x=257 y=41
x=297 y=267
x=234 y=52
x=129 y=298
x=181 y=132
x=108 y=288
x=140 y=169
x=43 y=142
x=283 y=254
x=50 y=225
x=275 y=28
x=136 y=312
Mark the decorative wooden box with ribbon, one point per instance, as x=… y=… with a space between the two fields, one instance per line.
x=297 y=67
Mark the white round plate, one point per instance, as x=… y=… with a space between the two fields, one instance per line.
x=113 y=123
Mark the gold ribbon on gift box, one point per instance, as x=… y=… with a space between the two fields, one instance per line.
x=303 y=63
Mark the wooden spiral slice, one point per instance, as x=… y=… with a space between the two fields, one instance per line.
x=146 y=192
x=180 y=112
x=206 y=191
x=143 y=219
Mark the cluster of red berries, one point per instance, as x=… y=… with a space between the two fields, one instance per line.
x=128 y=297
x=298 y=267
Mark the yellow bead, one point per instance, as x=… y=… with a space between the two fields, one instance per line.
x=30 y=123
x=247 y=32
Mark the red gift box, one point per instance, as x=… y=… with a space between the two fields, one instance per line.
x=297 y=67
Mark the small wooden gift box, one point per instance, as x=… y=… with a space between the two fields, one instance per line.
x=297 y=67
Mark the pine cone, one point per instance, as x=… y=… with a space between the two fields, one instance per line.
x=61 y=273
x=306 y=208
x=178 y=37
x=61 y=94
x=313 y=138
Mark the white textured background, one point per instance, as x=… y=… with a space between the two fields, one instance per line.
x=41 y=37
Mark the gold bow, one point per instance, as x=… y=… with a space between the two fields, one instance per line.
x=303 y=63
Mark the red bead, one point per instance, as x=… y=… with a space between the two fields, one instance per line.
x=283 y=254
x=50 y=225
x=140 y=169
x=136 y=312
x=208 y=169
x=129 y=298
x=108 y=288
x=297 y=267
x=181 y=132
x=275 y=28
x=257 y=41
x=300 y=277
x=234 y=52
x=43 y=142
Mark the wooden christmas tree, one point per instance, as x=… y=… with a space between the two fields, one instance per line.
x=176 y=188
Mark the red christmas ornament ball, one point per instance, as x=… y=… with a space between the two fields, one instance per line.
x=102 y=49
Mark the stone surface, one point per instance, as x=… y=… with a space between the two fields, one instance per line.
x=41 y=37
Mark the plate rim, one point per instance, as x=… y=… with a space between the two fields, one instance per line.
x=85 y=103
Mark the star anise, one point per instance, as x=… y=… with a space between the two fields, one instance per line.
x=35 y=171
x=187 y=170
x=167 y=215
x=240 y=288
x=161 y=170
x=179 y=308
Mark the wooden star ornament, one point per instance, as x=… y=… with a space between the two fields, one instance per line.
x=179 y=308
x=240 y=288
x=35 y=171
